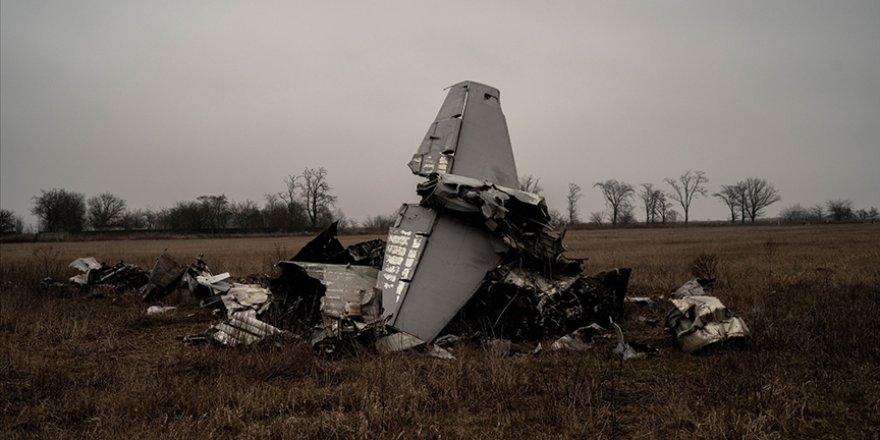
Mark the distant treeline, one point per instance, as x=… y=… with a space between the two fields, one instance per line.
x=306 y=203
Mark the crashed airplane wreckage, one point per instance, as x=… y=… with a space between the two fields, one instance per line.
x=475 y=255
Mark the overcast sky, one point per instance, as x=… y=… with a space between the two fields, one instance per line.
x=165 y=101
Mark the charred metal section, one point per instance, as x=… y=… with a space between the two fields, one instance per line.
x=298 y=296
x=167 y=276
x=121 y=275
x=521 y=304
x=330 y=290
x=520 y=218
x=164 y=277
x=326 y=248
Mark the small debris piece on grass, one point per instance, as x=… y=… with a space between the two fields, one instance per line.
x=158 y=310
x=242 y=327
x=440 y=352
x=699 y=319
x=121 y=275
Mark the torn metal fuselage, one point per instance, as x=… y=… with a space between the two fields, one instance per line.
x=350 y=306
x=330 y=289
x=449 y=255
x=474 y=246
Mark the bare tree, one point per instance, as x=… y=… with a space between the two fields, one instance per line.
x=529 y=183
x=246 y=215
x=151 y=218
x=136 y=219
x=794 y=214
x=105 y=211
x=742 y=200
x=627 y=213
x=651 y=199
x=60 y=210
x=729 y=194
x=295 y=217
x=183 y=216
x=315 y=193
x=275 y=214
x=817 y=213
x=616 y=194
x=647 y=196
x=290 y=186
x=9 y=222
x=596 y=217
x=160 y=218
x=556 y=218
x=664 y=207
x=686 y=188
x=215 y=211
x=574 y=194
x=840 y=210
x=759 y=194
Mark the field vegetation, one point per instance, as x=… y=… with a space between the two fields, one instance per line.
x=92 y=365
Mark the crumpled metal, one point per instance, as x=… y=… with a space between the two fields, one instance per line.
x=242 y=328
x=520 y=218
x=698 y=321
x=121 y=275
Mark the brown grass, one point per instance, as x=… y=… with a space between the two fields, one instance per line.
x=82 y=365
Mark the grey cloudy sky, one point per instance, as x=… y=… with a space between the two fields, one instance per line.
x=165 y=101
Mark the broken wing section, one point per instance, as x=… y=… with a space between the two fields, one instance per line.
x=443 y=259
x=469 y=137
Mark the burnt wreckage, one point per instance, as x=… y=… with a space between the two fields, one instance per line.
x=476 y=254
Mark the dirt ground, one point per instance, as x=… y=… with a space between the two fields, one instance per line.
x=93 y=365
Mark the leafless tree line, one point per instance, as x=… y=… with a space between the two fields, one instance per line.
x=834 y=210
x=745 y=199
x=305 y=202
x=658 y=204
x=748 y=198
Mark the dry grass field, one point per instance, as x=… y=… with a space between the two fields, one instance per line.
x=79 y=365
